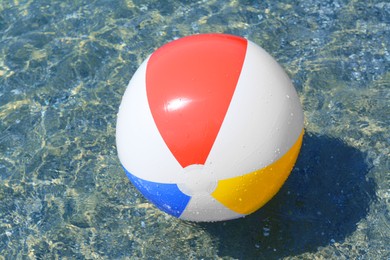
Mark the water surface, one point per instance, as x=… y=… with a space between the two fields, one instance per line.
x=64 y=66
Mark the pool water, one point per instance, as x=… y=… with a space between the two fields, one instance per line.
x=64 y=66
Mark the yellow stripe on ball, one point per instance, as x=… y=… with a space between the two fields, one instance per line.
x=247 y=193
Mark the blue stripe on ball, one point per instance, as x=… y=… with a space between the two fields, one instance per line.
x=167 y=197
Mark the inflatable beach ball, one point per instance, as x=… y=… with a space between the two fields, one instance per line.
x=209 y=127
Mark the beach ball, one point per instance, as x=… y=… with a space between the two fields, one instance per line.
x=209 y=127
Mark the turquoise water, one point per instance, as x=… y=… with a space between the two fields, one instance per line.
x=64 y=66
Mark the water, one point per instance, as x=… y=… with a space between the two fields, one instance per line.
x=64 y=66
